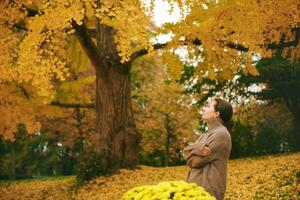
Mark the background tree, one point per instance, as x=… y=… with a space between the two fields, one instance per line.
x=279 y=79
x=165 y=117
x=278 y=83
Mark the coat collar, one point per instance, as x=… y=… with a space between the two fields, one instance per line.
x=214 y=123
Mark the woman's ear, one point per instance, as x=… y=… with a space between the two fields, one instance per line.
x=217 y=114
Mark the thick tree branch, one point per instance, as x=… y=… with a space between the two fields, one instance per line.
x=231 y=45
x=24 y=91
x=75 y=105
x=31 y=11
x=20 y=26
x=91 y=33
x=195 y=42
x=145 y=51
x=159 y=46
x=238 y=47
x=283 y=44
x=57 y=103
x=86 y=42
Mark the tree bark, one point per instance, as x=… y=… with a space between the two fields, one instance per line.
x=117 y=137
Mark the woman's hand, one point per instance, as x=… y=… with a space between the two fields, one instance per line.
x=205 y=151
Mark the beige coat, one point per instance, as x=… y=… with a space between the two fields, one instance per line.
x=210 y=171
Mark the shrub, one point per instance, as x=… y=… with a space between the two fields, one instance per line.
x=90 y=167
x=268 y=138
x=242 y=141
x=176 y=190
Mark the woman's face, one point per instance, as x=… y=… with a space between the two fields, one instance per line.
x=208 y=111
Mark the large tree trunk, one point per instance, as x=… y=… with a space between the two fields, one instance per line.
x=117 y=136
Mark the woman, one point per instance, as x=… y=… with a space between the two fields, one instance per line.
x=208 y=156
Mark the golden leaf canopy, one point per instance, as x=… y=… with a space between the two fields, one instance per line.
x=222 y=35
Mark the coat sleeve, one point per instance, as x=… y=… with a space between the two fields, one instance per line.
x=190 y=149
x=217 y=143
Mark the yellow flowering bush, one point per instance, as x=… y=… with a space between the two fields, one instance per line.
x=177 y=190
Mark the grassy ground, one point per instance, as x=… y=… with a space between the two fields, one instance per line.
x=269 y=177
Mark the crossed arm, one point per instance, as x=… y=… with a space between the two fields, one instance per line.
x=201 y=153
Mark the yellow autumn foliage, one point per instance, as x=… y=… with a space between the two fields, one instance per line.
x=42 y=189
x=269 y=177
x=228 y=34
x=41 y=55
x=14 y=110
